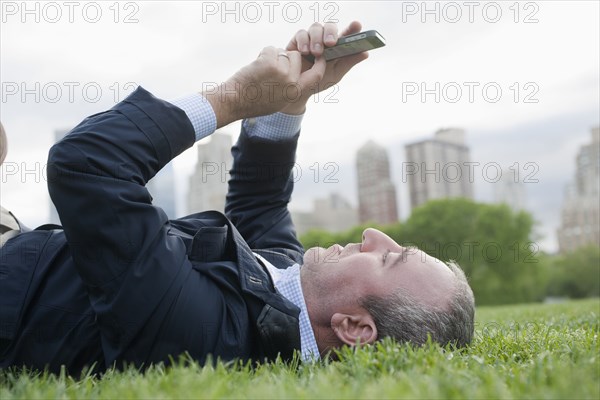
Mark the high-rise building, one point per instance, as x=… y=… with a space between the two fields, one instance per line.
x=580 y=217
x=587 y=175
x=208 y=183
x=376 y=192
x=510 y=191
x=332 y=214
x=438 y=168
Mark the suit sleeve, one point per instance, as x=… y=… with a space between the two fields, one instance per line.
x=260 y=189
x=119 y=241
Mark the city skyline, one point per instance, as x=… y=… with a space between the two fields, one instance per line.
x=353 y=200
x=546 y=69
x=332 y=213
x=580 y=214
x=511 y=192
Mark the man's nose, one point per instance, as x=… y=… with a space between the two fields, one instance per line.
x=374 y=240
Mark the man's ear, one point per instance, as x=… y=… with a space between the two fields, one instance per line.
x=352 y=329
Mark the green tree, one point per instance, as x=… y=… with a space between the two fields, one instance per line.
x=317 y=238
x=576 y=274
x=492 y=244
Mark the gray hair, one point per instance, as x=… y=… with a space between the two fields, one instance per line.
x=405 y=319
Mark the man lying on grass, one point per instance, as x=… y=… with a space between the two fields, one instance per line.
x=120 y=283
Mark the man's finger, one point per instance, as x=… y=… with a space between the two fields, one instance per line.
x=300 y=42
x=269 y=52
x=330 y=34
x=354 y=27
x=345 y=64
x=313 y=76
x=283 y=58
x=295 y=59
x=315 y=32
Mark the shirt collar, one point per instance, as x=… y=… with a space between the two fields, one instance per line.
x=287 y=282
x=9 y=226
x=7 y=220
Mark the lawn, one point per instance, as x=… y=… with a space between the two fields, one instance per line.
x=523 y=351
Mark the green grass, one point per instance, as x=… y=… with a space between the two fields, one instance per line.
x=524 y=351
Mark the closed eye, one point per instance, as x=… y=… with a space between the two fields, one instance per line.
x=385 y=255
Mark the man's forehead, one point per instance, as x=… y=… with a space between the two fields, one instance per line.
x=426 y=278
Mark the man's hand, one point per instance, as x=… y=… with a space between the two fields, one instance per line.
x=313 y=42
x=274 y=80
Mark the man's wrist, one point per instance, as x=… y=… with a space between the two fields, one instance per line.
x=296 y=108
x=223 y=103
x=229 y=106
x=298 y=105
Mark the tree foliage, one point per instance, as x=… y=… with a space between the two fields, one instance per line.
x=490 y=242
x=576 y=274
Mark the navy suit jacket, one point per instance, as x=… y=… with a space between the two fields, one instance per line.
x=120 y=283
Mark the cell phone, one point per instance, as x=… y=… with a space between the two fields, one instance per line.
x=353 y=44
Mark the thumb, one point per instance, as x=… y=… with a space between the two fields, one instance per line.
x=345 y=64
x=311 y=77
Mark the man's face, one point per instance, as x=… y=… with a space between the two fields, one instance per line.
x=378 y=266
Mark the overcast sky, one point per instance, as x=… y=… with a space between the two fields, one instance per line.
x=538 y=62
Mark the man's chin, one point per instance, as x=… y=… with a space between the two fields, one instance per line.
x=313 y=255
x=318 y=257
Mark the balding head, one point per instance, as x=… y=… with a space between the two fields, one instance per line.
x=407 y=318
x=377 y=288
